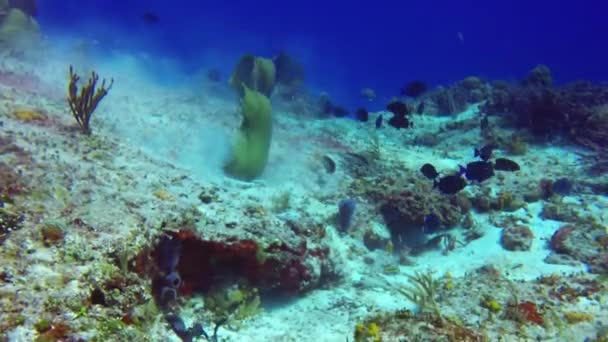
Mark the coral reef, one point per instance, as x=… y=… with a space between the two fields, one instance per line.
x=275 y=268
x=405 y=325
x=585 y=242
x=104 y=242
x=404 y=212
x=517 y=238
x=9 y=222
x=456 y=98
x=574 y=110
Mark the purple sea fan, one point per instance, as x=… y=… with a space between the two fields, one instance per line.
x=346 y=210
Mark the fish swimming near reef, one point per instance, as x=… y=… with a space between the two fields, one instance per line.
x=398 y=108
x=399 y=119
x=379 y=122
x=429 y=171
x=478 y=171
x=485 y=153
x=432 y=223
x=451 y=184
x=504 y=164
x=400 y=122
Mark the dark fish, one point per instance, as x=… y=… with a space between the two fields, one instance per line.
x=399 y=119
x=400 y=122
x=398 y=108
x=485 y=152
x=362 y=115
x=379 y=121
x=150 y=17
x=562 y=186
x=413 y=89
x=451 y=184
x=432 y=223
x=504 y=164
x=420 y=108
x=429 y=171
x=478 y=171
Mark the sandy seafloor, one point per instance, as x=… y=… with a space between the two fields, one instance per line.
x=155 y=146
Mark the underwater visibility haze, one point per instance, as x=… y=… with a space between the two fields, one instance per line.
x=303 y=171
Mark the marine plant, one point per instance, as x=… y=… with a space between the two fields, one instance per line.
x=365 y=332
x=575 y=317
x=235 y=303
x=516 y=145
x=83 y=104
x=423 y=292
x=281 y=202
x=488 y=302
x=503 y=201
x=250 y=153
x=9 y=222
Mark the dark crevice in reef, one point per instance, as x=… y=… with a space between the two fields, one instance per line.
x=276 y=270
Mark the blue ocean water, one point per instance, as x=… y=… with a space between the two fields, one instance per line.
x=347 y=46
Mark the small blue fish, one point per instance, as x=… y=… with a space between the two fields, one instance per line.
x=379 y=121
x=432 y=224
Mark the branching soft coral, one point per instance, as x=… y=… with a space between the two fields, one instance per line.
x=423 y=292
x=83 y=104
